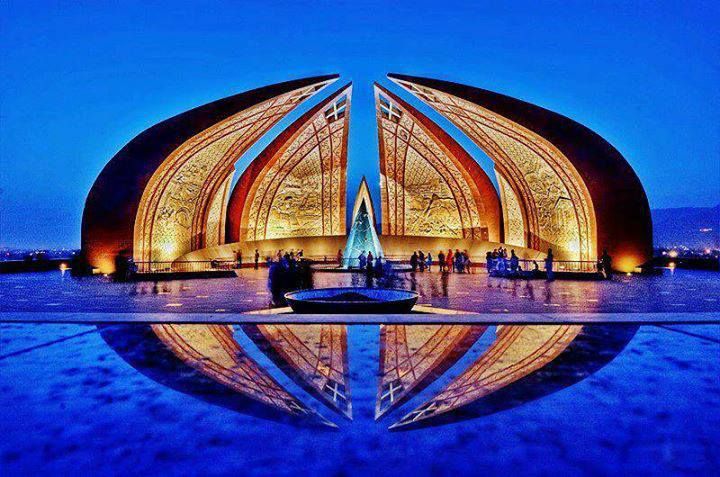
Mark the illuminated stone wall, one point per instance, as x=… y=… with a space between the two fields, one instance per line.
x=215 y=228
x=514 y=223
x=429 y=186
x=557 y=206
x=296 y=187
x=184 y=186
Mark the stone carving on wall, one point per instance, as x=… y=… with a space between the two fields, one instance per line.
x=186 y=183
x=558 y=207
x=300 y=192
x=215 y=227
x=425 y=189
x=512 y=214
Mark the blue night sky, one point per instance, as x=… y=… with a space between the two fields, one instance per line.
x=80 y=79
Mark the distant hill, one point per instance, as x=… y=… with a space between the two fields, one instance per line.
x=693 y=227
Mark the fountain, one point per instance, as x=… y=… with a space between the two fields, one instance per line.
x=362 y=239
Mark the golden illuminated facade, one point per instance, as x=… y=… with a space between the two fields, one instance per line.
x=174 y=211
x=297 y=186
x=536 y=178
x=429 y=186
x=166 y=195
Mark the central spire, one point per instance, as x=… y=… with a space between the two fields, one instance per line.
x=363 y=238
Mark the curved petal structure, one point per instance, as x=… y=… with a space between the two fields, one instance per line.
x=562 y=185
x=296 y=186
x=413 y=356
x=213 y=351
x=314 y=356
x=429 y=185
x=160 y=194
x=516 y=352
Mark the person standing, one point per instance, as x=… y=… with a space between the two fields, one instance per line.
x=549 y=265
x=428 y=261
x=257 y=258
x=378 y=266
x=606 y=264
x=362 y=260
x=340 y=258
x=414 y=261
x=458 y=261
x=514 y=262
x=449 y=261
x=421 y=260
x=441 y=261
x=238 y=259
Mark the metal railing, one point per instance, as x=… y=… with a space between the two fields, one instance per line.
x=184 y=266
x=559 y=266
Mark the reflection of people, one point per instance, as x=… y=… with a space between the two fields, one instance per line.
x=549 y=265
x=257 y=258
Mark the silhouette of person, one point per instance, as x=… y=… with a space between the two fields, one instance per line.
x=549 y=265
x=514 y=262
x=606 y=264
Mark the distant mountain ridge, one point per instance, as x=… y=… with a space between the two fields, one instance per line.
x=693 y=227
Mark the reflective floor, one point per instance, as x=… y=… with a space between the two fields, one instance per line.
x=679 y=291
x=281 y=399
x=341 y=399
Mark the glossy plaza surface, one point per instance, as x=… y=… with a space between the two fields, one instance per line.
x=628 y=386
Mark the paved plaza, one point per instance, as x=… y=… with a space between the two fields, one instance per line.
x=670 y=293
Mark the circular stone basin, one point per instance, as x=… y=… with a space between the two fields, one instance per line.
x=352 y=300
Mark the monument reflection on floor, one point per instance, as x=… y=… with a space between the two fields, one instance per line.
x=595 y=398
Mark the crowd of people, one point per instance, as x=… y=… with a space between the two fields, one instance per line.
x=500 y=264
x=458 y=261
x=373 y=265
x=286 y=272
